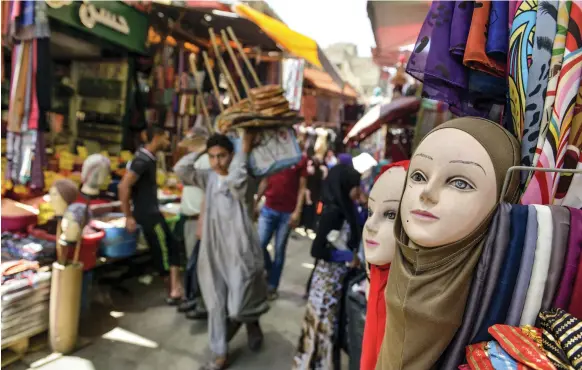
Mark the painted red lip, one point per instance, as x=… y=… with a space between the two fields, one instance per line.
x=372 y=243
x=424 y=214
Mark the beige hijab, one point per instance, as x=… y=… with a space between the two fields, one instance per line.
x=428 y=287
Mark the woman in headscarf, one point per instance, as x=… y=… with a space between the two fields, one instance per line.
x=335 y=245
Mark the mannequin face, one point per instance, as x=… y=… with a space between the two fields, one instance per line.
x=57 y=202
x=70 y=229
x=97 y=173
x=379 y=241
x=450 y=190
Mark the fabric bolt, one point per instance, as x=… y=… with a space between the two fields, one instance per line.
x=455 y=352
x=500 y=359
x=520 y=347
x=562 y=338
x=519 y=60
x=566 y=282
x=500 y=248
x=525 y=269
x=505 y=286
x=320 y=325
x=575 y=241
x=498 y=33
x=539 y=275
x=375 y=317
x=539 y=74
x=477 y=357
x=462 y=14
x=560 y=233
x=556 y=63
x=230 y=260
x=420 y=327
x=475 y=54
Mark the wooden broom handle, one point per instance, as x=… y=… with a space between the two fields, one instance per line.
x=244 y=56
x=234 y=59
x=222 y=66
x=212 y=80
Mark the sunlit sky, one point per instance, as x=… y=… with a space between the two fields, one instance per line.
x=328 y=21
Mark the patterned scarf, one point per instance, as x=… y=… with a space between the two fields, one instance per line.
x=562 y=338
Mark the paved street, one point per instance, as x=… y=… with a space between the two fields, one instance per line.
x=139 y=332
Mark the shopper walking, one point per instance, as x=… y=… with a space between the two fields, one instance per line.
x=230 y=263
x=285 y=195
x=334 y=247
x=139 y=185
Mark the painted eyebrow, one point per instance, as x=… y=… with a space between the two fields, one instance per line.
x=370 y=198
x=472 y=163
x=423 y=156
x=391 y=200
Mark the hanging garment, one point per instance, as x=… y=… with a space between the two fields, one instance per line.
x=520 y=53
x=543 y=185
x=535 y=290
x=560 y=232
x=566 y=283
x=320 y=325
x=498 y=33
x=428 y=287
x=462 y=14
x=525 y=269
x=497 y=261
x=475 y=54
x=575 y=242
x=562 y=338
x=539 y=74
x=520 y=347
x=20 y=70
x=375 y=317
x=554 y=75
x=230 y=261
x=505 y=285
x=569 y=191
x=455 y=353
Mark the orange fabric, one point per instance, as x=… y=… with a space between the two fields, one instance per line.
x=475 y=55
x=477 y=357
x=323 y=81
x=520 y=347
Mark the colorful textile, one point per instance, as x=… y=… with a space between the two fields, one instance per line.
x=520 y=347
x=498 y=33
x=575 y=305
x=461 y=24
x=538 y=77
x=521 y=44
x=555 y=68
x=565 y=288
x=560 y=233
x=562 y=338
x=477 y=357
x=475 y=54
x=500 y=359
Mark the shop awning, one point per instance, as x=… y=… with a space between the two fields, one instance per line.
x=294 y=42
x=322 y=80
x=380 y=114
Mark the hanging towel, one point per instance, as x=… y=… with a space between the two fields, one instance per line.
x=575 y=242
x=560 y=232
x=504 y=289
x=525 y=269
x=539 y=74
x=535 y=291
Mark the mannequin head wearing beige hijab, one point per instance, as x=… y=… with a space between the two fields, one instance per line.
x=452 y=188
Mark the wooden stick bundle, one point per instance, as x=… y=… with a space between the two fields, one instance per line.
x=212 y=80
x=223 y=67
x=244 y=56
x=239 y=70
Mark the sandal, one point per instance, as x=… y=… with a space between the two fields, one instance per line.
x=171 y=301
x=214 y=365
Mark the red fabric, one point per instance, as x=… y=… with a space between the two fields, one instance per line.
x=477 y=357
x=375 y=317
x=282 y=187
x=520 y=347
x=385 y=168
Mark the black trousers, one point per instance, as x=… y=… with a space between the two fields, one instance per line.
x=164 y=248
x=191 y=278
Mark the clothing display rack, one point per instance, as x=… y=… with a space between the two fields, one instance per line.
x=528 y=168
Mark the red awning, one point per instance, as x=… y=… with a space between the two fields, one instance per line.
x=381 y=114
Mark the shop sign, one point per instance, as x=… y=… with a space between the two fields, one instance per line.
x=114 y=21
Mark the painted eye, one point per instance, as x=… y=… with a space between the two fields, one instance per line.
x=370 y=212
x=461 y=184
x=391 y=215
x=418 y=177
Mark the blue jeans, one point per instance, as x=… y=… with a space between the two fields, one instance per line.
x=274 y=222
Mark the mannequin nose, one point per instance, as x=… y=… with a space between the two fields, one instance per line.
x=371 y=226
x=429 y=195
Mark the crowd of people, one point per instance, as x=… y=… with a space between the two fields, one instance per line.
x=226 y=227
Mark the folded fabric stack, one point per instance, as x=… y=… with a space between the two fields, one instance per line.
x=25 y=302
x=17 y=247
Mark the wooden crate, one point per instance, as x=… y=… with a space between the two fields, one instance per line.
x=15 y=349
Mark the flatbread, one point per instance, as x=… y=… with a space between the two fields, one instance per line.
x=268 y=103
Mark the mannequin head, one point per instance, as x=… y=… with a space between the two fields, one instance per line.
x=71 y=225
x=95 y=171
x=62 y=193
x=454 y=181
x=383 y=202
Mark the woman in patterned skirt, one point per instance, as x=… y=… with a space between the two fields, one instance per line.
x=335 y=247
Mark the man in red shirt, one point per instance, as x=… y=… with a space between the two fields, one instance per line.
x=284 y=193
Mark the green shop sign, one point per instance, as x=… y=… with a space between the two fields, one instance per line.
x=113 y=21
